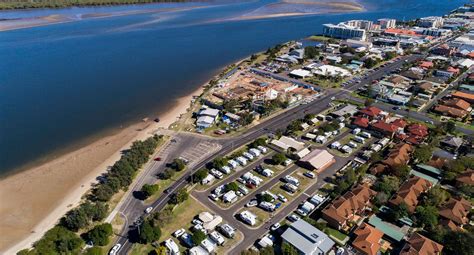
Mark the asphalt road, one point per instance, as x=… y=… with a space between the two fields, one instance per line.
x=135 y=208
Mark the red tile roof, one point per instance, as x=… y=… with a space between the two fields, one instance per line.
x=426 y=64
x=384 y=127
x=371 y=111
x=466 y=178
x=410 y=191
x=401 y=123
x=420 y=245
x=456 y=210
x=464 y=96
x=418 y=130
x=368 y=239
x=361 y=122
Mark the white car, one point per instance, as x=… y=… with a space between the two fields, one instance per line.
x=275 y=226
x=196 y=222
x=282 y=198
x=252 y=203
x=213 y=197
x=115 y=249
x=148 y=209
x=179 y=232
x=293 y=217
x=310 y=175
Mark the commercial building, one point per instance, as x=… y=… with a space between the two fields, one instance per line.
x=286 y=142
x=318 y=160
x=431 y=22
x=387 y=23
x=307 y=239
x=344 y=31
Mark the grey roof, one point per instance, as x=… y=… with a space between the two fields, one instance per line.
x=307 y=239
x=348 y=109
x=453 y=141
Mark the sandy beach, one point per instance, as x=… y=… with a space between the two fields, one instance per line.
x=32 y=201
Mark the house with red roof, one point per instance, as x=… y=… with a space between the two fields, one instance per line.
x=453 y=70
x=371 y=112
x=361 y=122
x=384 y=128
x=426 y=64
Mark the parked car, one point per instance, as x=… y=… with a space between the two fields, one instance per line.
x=293 y=217
x=275 y=226
x=252 y=203
x=148 y=209
x=310 y=175
x=282 y=198
x=179 y=232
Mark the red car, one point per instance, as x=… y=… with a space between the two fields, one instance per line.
x=158 y=159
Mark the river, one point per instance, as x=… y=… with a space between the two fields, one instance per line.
x=63 y=83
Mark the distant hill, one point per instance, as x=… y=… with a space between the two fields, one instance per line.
x=26 y=4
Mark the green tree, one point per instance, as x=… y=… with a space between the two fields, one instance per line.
x=75 y=219
x=149 y=189
x=399 y=212
x=148 y=233
x=178 y=164
x=423 y=153
x=459 y=243
x=58 y=240
x=278 y=158
x=198 y=236
x=450 y=127
x=219 y=162
x=100 y=234
x=258 y=142
x=388 y=184
x=401 y=171
x=232 y=186
x=436 y=196
x=179 y=197
x=200 y=175
x=167 y=174
x=426 y=216
x=266 y=197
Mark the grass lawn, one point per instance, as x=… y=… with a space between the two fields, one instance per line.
x=164 y=184
x=335 y=235
x=319 y=38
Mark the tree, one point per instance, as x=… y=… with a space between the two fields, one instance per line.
x=401 y=171
x=423 y=153
x=200 y=175
x=266 y=197
x=399 y=212
x=278 y=158
x=58 y=240
x=450 y=127
x=288 y=249
x=426 y=216
x=258 y=142
x=179 y=197
x=166 y=174
x=198 y=236
x=100 y=234
x=148 y=233
x=467 y=190
x=219 y=162
x=178 y=164
x=388 y=184
x=75 y=219
x=267 y=251
x=370 y=62
x=459 y=243
x=310 y=52
x=149 y=190
x=232 y=186
x=436 y=196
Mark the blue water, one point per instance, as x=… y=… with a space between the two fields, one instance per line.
x=62 y=83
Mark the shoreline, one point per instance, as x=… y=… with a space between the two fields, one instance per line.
x=27 y=214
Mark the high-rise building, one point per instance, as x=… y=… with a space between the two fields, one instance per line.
x=344 y=31
x=387 y=23
x=362 y=24
x=431 y=22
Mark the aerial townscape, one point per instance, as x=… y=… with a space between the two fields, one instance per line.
x=357 y=140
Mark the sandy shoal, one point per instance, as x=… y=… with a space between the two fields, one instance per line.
x=32 y=201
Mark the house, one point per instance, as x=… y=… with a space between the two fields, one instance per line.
x=458 y=104
x=454 y=213
x=286 y=143
x=204 y=121
x=416 y=133
x=466 y=178
x=384 y=128
x=317 y=160
x=367 y=239
x=418 y=244
x=451 y=143
x=399 y=155
x=370 y=112
x=307 y=239
x=450 y=111
x=300 y=73
x=426 y=64
x=361 y=122
x=348 y=207
x=409 y=192
x=464 y=96
x=443 y=50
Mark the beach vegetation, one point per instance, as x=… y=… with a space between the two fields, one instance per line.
x=99 y=235
x=57 y=240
